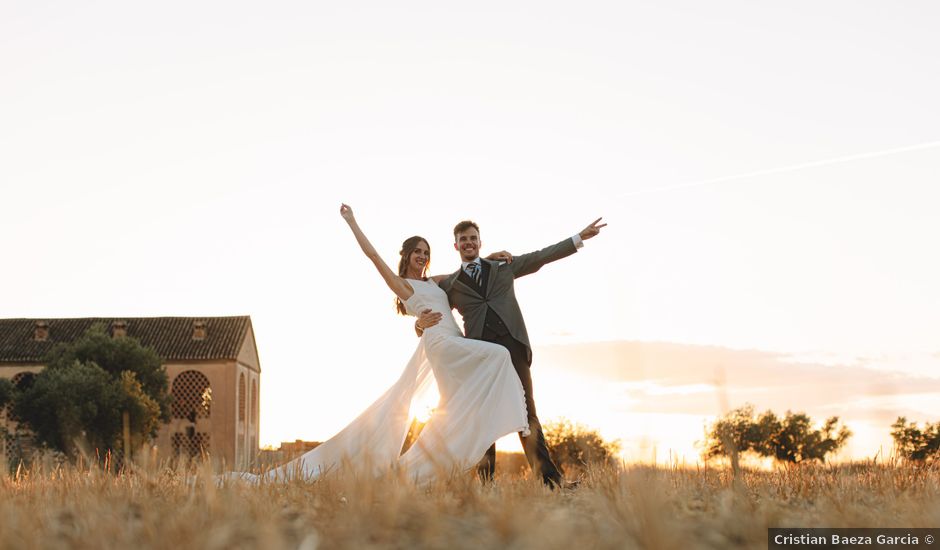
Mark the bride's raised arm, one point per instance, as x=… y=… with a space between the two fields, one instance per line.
x=399 y=286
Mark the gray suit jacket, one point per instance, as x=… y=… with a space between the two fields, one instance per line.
x=499 y=294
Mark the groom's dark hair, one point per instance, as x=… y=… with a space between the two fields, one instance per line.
x=463 y=226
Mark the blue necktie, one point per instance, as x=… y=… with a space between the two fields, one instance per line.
x=473 y=270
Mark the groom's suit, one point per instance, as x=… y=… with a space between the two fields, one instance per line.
x=491 y=313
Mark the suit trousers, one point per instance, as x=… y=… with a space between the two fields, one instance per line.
x=536 y=450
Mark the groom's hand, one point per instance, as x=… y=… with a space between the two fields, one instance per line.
x=426 y=320
x=592 y=230
x=501 y=256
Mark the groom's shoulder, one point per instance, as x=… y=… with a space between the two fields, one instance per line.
x=493 y=264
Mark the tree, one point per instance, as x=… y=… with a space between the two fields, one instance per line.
x=577 y=445
x=144 y=411
x=114 y=356
x=738 y=432
x=6 y=392
x=68 y=404
x=6 y=395
x=797 y=441
x=76 y=399
x=915 y=444
x=791 y=439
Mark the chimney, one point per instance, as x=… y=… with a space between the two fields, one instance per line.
x=41 y=332
x=199 y=330
x=118 y=329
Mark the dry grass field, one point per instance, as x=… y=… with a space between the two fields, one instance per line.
x=636 y=507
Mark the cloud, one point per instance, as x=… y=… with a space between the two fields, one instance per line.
x=674 y=378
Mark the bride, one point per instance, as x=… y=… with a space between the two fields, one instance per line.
x=481 y=397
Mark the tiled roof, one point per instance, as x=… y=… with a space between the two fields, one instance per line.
x=171 y=337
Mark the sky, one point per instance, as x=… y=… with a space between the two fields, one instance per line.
x=189 y=158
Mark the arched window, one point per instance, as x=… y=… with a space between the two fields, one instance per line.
x=241 y=397
x=190 y=443
x=192 y=396
x=254 y=402
x=192 y=399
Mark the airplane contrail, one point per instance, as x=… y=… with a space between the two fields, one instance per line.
x=802 y=166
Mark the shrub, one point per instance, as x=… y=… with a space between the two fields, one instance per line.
x=577 y=445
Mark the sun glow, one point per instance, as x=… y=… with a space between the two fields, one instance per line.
x=421 y=410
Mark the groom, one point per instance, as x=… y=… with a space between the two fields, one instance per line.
x=483 y=293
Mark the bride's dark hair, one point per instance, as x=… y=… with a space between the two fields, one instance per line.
x=407 y=248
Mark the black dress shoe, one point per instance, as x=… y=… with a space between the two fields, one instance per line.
x=571 y=485
x=563 y=484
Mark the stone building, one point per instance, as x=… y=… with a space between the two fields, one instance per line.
x=211 y=362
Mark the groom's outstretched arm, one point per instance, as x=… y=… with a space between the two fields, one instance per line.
x=526 y=264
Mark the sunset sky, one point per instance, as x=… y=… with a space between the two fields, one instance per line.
x=189 y=158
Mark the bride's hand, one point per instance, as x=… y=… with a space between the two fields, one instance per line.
x=346 y=212
x=501 y=256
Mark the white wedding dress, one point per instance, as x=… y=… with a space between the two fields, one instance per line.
x=481 y=400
